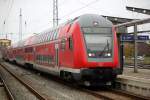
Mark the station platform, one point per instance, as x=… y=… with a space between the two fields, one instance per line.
x=137 y=83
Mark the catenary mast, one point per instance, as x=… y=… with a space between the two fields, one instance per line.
x=55 y=13
x=20 y=25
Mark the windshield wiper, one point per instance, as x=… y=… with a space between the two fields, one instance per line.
x=106 y=46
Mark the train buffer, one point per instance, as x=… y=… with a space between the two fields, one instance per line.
x=137 y=83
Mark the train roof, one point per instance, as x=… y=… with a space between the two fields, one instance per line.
x=86 y=20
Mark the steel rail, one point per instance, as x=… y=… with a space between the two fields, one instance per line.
x=11 y=97
x=97 y=94
x=27 y=85
x=129 y=94
x=80 y=89
x=117 y=92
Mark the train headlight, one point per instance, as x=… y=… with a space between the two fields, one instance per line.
x=107 y=54
x=91 y=54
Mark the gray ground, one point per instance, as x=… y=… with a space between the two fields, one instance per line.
x=52 y=89
x=18 y=90
x=3 y=95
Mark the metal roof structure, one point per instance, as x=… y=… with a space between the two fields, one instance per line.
x=118 y=20
x=139 y=10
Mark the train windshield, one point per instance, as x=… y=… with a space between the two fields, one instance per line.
x=98 y=42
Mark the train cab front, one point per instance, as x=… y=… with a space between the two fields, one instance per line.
x=101 y=50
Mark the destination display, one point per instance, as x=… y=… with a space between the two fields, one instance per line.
x=128 y=37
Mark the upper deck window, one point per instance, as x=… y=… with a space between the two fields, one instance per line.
x=28 y=50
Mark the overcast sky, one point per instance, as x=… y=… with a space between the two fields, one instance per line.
x=38 y=13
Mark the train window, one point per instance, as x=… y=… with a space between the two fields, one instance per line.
x=28 y=50
x=42 y=38
x=14 y=52
x=39 y=39
x=40 y=58
x=37 y=58
x=43 y=58
x=63 y=44
x=54 y=34
x=51 y=35
x=47 y=58
x=47 y=38
x=70 y=43
x=50 y=60
x=57 y=34
x=31 y=49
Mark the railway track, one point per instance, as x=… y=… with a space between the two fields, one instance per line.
x=8 y=95
x=107 y=94
x=112 y=94
x=24 y=83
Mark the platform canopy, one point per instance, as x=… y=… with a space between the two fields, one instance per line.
x=118 y=20
x=139 y=10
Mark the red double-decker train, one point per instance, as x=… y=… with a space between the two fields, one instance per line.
x=84 y=49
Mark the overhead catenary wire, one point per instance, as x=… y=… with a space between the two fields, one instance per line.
x=62 y=2
x=94 y=8
x=78 y=9
x=4 y=18
x=5 y=22
x=9 y=10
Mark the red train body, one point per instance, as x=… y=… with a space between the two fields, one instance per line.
x=84 y=49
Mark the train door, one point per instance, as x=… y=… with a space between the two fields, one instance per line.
x=57 y=54
x=34 y=55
